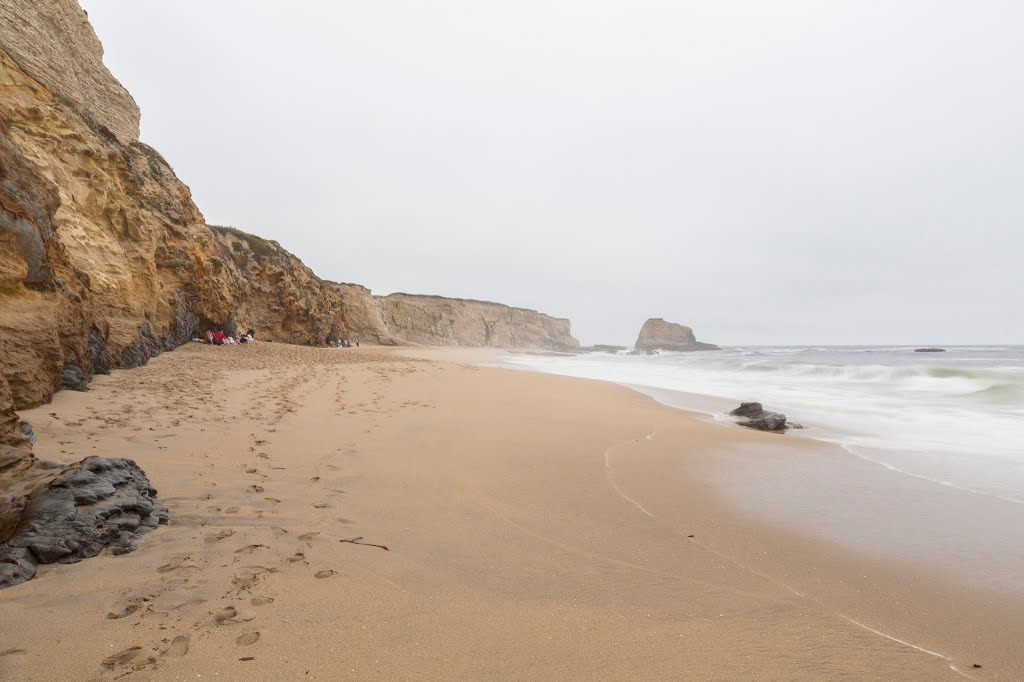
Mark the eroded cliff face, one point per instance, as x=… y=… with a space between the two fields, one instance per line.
x=439 y=321
x=363 y=315
x=105 y=262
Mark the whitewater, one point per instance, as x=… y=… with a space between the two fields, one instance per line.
x=954 y=418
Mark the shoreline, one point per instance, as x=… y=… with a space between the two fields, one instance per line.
x=880 y=547
x=513 y=506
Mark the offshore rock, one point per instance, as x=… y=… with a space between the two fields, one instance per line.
x=67 y=514
x=657 y=334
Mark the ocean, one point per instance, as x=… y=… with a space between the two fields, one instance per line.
x=955 y=419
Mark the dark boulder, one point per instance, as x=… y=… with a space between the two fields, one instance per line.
x=749 y=410
x=67 y=514
x=754 y=416
x=769 y=421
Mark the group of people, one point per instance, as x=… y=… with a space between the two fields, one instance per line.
x=344 y=343
x=219 y=338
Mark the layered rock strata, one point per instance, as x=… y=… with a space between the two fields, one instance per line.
x=52 y=514
x=439 y=321
x=105 y=262
x=657 y=334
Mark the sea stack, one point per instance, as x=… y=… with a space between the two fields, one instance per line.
x=657 y=334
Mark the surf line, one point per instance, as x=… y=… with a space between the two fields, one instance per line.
x=609 y=474
x=610 y=477
x=906 y=643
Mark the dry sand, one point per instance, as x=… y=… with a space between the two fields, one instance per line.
x=535 y=527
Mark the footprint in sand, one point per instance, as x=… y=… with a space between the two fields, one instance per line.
x=256 y=489
x=11 y=652
x=306 y=537
x=220 y=535
x=128 y=609
x=247 y=638
x=249 y=575
x=320 y=505
x=178 y=646
x=248 y=549
x=224 y=616
x=261 y=601
x=298 y=556
x=121 y=657
x=196 y=601
x=326 y=573
x=176 y=563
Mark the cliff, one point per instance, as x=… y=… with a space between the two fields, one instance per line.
x=657 y=334
x=439 y=321
x=105 y=262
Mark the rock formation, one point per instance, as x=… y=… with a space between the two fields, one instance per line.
x=754 y=416
x=274 y=293
x=105 y=262
x=602 y=348
x=439 y=321
x=657 y=334
x=52 y=514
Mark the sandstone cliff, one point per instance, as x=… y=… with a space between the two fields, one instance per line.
x=439 y=321
x=105 y=262
x=657 y=334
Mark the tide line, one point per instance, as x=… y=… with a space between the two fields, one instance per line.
x=610 y=476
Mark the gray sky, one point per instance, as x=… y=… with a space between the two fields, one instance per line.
x=787 y=172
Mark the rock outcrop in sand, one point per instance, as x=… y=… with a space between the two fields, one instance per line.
x=54 y=514
x=657 y=334
x=439 y=321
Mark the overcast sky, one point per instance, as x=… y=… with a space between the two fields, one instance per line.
x=784 y=172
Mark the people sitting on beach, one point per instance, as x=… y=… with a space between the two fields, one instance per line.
x=219 y=339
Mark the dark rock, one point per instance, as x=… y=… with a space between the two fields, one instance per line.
x=769 y=421
x=184 y=324
x=100 y=358
x=749 y=410
x=26 y=432
x=144 y=348
x=72 y=377
x=929 y=350
x=72 y=513
x=758 y=418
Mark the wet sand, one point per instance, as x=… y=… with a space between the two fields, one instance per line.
x=535 y=527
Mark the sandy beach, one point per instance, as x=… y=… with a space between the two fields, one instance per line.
x=382 y=514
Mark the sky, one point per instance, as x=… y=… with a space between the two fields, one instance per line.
x=767 y=173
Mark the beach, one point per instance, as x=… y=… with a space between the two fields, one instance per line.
x=394 y=513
